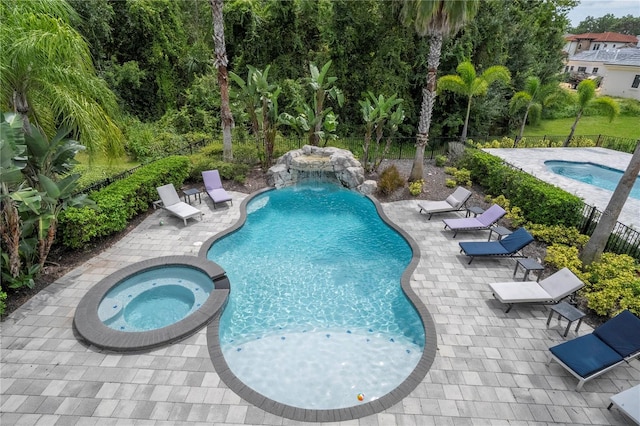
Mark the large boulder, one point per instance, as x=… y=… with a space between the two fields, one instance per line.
x=330 y=162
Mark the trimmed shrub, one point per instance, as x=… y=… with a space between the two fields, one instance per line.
x=613 y=285
x=121 y=201
x=539 y=201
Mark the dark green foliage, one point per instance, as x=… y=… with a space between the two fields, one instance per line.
x=229 y=171
x=539 y=201
x=121 y=201
x=390 y=180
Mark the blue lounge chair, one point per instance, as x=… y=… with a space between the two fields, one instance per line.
x=614 y=342
x=509 y=246
x=485 y=221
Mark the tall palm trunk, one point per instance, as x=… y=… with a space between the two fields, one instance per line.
x=573 y=129
x=221 y=63
x=10 y=232
x=463 y=136
x=598 y=241
x=524 y=122
x=426 y=110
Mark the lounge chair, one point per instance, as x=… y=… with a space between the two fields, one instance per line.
x=453 y=203
x=614 y=342
x=171 y=202
x=552 y=289
x=213 y=186
x=509 y=246
x=485 y=221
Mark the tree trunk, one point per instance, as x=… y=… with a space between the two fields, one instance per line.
x=426 y=110
x=221 y=63
x=44 y=245
x=463 y=137
x=573 y=129
x=594 y=248
x=524 y=122
x=10 y=232
x=21 y=106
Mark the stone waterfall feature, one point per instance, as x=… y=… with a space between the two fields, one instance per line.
x=313 y=161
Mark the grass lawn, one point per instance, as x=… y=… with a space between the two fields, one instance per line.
x=100 y=168
x=621 y=126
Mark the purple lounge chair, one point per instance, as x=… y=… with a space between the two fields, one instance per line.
x=213 y=186
x=485 y=221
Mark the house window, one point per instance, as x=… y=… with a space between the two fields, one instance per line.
x=595 y=70
x=566 y=69
x=582 y=69
x=571 y=67
x=596 y=47
x=636 y=82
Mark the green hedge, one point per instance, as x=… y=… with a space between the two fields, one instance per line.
x=539 y=201
x=121 y=201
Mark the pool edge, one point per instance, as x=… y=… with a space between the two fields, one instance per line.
x=338 y=414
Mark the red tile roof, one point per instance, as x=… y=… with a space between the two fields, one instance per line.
x=604 y=37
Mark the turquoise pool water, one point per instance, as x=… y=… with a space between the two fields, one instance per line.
x=154 y=298
x=593 y=174
x=316 y=316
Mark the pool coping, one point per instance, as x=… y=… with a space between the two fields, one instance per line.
x=90 y=330
x=338 y=414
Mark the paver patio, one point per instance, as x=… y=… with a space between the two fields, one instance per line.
x=490 y=368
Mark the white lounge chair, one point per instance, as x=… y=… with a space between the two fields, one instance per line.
x=454 y=202
x=171 y=202
x=552 y=289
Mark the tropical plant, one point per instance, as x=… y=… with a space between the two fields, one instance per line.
x=435 y=19
x=47 y=75
x=467 y=83
x=379 y=115
x=322 y=85
x=584 y=98
x=33 y=202
x=221 y=63
x=532 y=99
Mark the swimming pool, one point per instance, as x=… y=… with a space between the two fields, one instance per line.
x=317 y=317
x=594 y=174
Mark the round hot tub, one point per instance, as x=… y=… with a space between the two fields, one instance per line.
x=151 y=303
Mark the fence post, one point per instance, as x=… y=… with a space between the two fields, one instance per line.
x=598 y=142
x=587 y=224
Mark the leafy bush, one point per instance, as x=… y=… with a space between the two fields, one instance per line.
x=613 y=285
x=563 y=256
x=415 y=188
x=450 y=170
x=390 y=180
x=121 y=201
x=441 y=160
x=230 y=171
x=450 y=183
x=558 y=234
x=3 y=297
x=514 y=214
x=540 y=202
x=463 y=177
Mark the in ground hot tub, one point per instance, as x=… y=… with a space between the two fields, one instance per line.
x=152 y=303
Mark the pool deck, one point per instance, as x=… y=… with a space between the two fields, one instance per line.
x=531 y=160
x=490 y=368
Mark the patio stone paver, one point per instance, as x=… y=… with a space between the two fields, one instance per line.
x=490 y=367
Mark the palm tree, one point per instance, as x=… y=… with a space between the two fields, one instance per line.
x=532 y=98
x=221 y=63
x=596 y=244
x=586 y=97
x=467 y=83
x=436 y=19
x=47 y=75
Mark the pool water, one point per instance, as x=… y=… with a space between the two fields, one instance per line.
x=154 y=298
x=316 y=315
x=593 y=174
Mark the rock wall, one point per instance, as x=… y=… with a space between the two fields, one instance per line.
x=310 y=160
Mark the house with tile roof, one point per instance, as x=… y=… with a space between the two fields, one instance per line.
x=616 y=67
x=577 y=43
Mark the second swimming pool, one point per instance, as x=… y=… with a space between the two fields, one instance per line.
x=317 y=318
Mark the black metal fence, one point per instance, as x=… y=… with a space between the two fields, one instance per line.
x=603 y=141
x=623 y=239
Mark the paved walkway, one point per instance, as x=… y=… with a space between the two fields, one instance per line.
x=490 y=368
x=531 y=160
